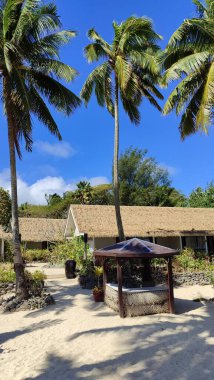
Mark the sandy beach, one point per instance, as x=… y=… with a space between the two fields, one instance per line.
x=79 y=339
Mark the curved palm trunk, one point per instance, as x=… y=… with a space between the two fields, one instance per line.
x=116 y=156
x=21 y=288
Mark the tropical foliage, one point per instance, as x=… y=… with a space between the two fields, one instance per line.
x=31 y=71
x=84 y=192
x=129 y=72
x=5 y=208
x=202 y=197
x=189 y=59
x=143 y=182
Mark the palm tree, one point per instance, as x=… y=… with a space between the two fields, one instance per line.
x=129 y=72
x=189 y=57
x=84 y=192
x=30 y=38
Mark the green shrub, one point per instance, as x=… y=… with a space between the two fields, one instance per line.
x=191 y=261
x=38 y=275
x=42 y=255
x=7 y=273
x=87 y=268
x=72 y=249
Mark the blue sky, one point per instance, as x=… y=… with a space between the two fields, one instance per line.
x=87 y=148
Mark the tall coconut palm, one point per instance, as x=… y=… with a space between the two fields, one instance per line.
x=128 y=73
x=30 y=38
x=189 y=57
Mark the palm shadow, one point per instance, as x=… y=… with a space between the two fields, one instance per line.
x=161 y=349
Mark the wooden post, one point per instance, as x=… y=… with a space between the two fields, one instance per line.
x=2 y=249
x=170 y=286
x=206 y=245
x=105 y=277
x=181 y=243
x=120 y=289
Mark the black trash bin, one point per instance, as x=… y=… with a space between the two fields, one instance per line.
x=70 y=267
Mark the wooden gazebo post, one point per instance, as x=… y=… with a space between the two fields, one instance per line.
x=105 y=277
x=170 y=286
x=120 y=288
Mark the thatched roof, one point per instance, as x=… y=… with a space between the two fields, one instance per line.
x=100 y=221
x=39 y=229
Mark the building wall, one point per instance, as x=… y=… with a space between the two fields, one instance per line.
x=34 y=245
x=195 y=242
x=103 y=242
x=170 y=242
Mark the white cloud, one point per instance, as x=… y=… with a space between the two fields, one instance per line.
x=173 y=171
x=35 y=193
x=61 y=149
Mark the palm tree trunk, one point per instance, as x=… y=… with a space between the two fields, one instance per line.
x=116 y=157
x=21 y=288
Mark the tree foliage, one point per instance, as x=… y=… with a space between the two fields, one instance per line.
x=202 y=197
x=5 y=208
x=132 y=58
x=30 y=38
x=143 y=182
x=189 y=59
x=84 y=192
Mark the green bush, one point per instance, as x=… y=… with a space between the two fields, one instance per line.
x=191 y=261
x=38 y=275
x=87 y=268
x=7 y=273
x=72 y=249
x=42 y=255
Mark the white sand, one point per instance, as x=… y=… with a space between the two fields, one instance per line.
x=79 y=339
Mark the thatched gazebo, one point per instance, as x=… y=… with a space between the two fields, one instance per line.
x=141 y=301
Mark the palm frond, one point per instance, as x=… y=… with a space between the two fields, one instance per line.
x=11 y=13
x=187 y=65
x=188 y=123
x=204 y=115
x=40 y=109
x=60 y=69
x=93 y=52
x=48 y=46
x=34 y=24
x=96 y=81
x=131 y=109
x=94 y=36
x=58 y=95
x=183 y=93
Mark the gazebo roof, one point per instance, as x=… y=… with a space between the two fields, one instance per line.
x=135 y=248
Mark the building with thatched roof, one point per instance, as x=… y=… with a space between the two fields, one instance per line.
x=37 y=232
x=174 y=227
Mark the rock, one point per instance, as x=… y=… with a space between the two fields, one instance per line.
x=14 y=304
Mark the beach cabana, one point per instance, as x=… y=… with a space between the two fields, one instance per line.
x=137 y=301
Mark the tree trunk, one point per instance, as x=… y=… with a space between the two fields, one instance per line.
x=21 y=288
x=116 y=157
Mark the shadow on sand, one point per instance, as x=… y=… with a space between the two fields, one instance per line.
x=155 y=351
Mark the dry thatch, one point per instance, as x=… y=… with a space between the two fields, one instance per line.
x=100 y=221
x=39 y=229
